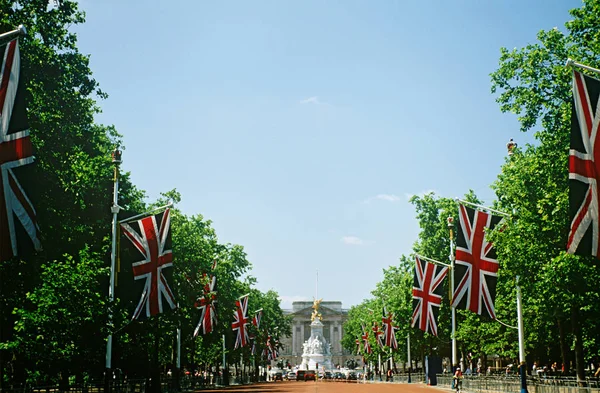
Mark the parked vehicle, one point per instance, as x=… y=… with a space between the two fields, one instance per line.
x=351 y=376
x=291 y=376
x=338 y=376
x=300 y=375
x=327 y=375
x=310 y=375
x=278 y=376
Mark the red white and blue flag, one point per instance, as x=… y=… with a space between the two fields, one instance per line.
x=365 y=341
x=257 y=318
x=206 y=303
x=476 y=265
x=15 y=151
x=377 y=333
x=240 y=323
x=584 y=167
x=427 y=295
x=389 y=330
x=152 y=241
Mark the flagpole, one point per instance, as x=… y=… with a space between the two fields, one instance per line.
x=463 y=202
x=116 y=160
x=224 y=363
x=520 y=324
x=13 y=33
x=149 y=212
x=433 y=261
x=571 y=62
x=450 y=221
x=178 y=364
x=408 y=352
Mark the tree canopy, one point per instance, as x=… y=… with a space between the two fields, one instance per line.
x=54 y=304
x=560 y=296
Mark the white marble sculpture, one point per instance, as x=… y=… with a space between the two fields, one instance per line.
x=316 y=351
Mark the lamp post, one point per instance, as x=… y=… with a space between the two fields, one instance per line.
x=511 y=146
x=408 y=356
x=450 y=222
x=116 y=160
x=510 y=149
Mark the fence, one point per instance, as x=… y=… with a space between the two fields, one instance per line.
x=168 y=385
x=511 y=384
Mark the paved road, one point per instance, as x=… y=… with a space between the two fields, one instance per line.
x=328 y=387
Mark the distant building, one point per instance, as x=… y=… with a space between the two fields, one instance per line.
x=334 y=317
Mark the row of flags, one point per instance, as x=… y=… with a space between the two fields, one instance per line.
x=146 y=246
x=147 y=249
x=384 y=337
x=475 y=273
x=475 y=268
x=476 y=265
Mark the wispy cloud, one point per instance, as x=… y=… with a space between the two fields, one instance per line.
x=313 y=100
x=285 y=302
x=353 y=241
x=383 y=197
x=421 y=194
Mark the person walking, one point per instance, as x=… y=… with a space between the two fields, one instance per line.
x=458 y=377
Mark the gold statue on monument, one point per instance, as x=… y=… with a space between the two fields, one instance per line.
x=316 y=314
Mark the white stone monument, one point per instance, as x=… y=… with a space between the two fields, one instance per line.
x=317 y=351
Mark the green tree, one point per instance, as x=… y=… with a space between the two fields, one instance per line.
x=70 y=184
x=534 y=83
x=57 y=326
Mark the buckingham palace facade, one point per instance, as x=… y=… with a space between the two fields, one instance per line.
x=334 y=317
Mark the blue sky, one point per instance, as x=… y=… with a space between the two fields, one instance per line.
x=300 y=128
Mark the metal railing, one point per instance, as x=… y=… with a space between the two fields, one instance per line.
x=512 y=383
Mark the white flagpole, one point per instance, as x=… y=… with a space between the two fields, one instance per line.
x=571 y=62
x=116 y=160
x=433 y=261
x=179 y=349
x=408 y=351
x=224 y=361
x=13 y=33
x=451 y=272
x=462 y=202
x=520 y=324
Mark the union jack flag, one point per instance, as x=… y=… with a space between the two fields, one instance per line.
x=365 y=340
x=207 y=307
x=377 y=333
x=427 y=295
x=358 y=345
x=240 y=324
x=275 y=349
x=15 y=151
x=584 y=167
x=476 y=267
x=257 y=317
x=389 y=330
x=153 y=242
x=271 y=350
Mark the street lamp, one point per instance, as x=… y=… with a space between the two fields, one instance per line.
x=510 y=147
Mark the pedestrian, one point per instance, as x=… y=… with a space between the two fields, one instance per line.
x=390 y=375
x=458 y=376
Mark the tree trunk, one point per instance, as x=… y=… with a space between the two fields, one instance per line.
x=564 y=347
x=579 y=358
